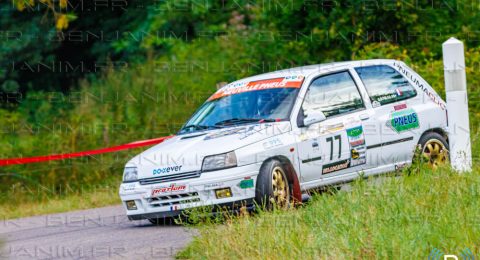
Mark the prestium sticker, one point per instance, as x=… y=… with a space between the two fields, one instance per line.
x=168 y=189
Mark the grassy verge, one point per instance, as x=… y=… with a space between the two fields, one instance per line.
x=404 y=217
x=24 y=203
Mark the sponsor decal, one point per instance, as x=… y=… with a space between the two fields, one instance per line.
x=168 y=189
x=404 y=120
x=355 y=132
x=336 y=166
x=245 y=184
x=417 y=83
x=315 y=145
x=252 y=130
x=355 y=154
x=376 y=104
x=357 y=143
x=284 y=82
x=264 y=129
x=167 y=169
x=224 y=133
x=332 y=128
x=387 y=97
x=128 y=186
x=358 y=149
x=399 y=92
x=272 y=143
x=400 y=107
x=212 y=186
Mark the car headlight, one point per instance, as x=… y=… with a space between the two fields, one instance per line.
x=219 y=161
x=130 y=174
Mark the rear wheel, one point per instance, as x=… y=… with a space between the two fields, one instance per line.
x=273 y=189
x=434 y=149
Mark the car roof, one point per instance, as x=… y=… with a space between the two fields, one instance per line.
x=306 y=71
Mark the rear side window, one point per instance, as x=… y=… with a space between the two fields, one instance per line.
x=385 y=85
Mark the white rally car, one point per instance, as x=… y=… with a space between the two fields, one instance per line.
x=267 y=139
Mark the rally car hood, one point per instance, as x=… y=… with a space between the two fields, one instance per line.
x=185 y=153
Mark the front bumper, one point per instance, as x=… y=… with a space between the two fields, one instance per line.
x=197 y=192
x=235 y=206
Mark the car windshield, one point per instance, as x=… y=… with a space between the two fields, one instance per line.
x=267 y=105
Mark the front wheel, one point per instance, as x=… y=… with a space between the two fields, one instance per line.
x=434 y=149
x=273 y=189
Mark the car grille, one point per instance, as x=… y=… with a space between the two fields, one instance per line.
x=172 y=200
x=173 y=177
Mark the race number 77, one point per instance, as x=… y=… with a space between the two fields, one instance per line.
x=330 y=140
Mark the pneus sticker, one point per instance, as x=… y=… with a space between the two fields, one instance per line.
x=403 y=120
x=358 y=149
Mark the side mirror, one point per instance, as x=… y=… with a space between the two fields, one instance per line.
x=314 y=117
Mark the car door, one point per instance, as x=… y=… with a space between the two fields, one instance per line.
x=396 y=109
x=337 y=145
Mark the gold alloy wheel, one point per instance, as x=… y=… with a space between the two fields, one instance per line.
x=281 y=191
x=435 y=152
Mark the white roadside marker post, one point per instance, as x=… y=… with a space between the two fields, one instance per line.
x=457 y=105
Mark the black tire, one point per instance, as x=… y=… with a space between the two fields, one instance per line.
x=435 y=139
x=166 y=221
x=264 y=193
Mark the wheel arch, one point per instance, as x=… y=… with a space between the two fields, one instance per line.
x=292 y=175
x=437 y=130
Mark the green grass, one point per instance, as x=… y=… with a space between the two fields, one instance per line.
x=405 y=217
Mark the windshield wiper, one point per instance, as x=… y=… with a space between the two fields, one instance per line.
x=236 y=121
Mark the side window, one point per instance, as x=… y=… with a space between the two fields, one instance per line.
x=333 y=94
x=385 y=85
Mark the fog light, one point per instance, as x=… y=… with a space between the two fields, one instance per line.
x=131 y=205
x=223 y=193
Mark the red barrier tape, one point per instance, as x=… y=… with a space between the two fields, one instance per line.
x=53 y=157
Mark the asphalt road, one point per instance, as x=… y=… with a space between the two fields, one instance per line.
x=102 y=233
